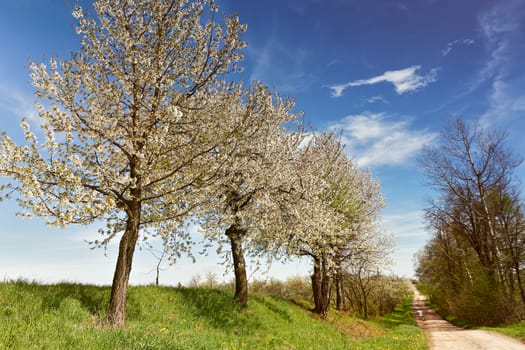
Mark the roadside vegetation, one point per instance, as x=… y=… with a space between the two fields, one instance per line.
x=515 y=330
x=442 y=312
x=72 y=316
x=472 y=268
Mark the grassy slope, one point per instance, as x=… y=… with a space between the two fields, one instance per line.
x=68 y=316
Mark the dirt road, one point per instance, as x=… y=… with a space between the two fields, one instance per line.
x=444 y=335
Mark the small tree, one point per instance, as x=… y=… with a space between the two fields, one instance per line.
x=159 y=256
x=363 y=265
x=130 y=121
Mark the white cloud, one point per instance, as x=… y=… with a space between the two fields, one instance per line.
x=495 y=26
x=405 y=224
x=374 y=139
x=503 y=31
x=263 y=59
x=503 y=17
x=332 y=62
x=506 y=103
x=375 y=99
x=404 y=80
x=17 y=103
x=451 y=45
x=271 y=64
x=337 y=90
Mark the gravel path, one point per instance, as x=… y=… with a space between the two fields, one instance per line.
x=446 y=336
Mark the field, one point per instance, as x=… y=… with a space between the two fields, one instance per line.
x=70 y=316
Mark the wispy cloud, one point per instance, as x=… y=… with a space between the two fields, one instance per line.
x=498 y=25
x=503 y=17
x=410 y=234
x=332 y=62
x=17 y=103
x=271 y=64
x=506 y=102
x=451 y=45
x=375 y=99
x=405 y=224
x=503 y=31
x=404 y=80
x=375 y=139
x=401 y=6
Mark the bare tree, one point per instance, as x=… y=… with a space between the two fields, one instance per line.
x=465 y=170
x=159 y=256
x=477 y=218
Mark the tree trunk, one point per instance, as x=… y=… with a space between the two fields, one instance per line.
x=365 y=305
x=339 y=289
x=520 y=285
x=321 y=286
x=117 y=303
x=235 y=235
x=326 y=288
x=353 y=297
x=316 y=284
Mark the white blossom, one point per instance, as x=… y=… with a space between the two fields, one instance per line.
x=129 y=120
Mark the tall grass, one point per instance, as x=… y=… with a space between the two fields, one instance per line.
x=70 y=316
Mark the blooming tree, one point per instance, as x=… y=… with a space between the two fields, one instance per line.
x=248 y=201
x=130 y=123
x=315 y=222
x=339 y=206
x=359 y=200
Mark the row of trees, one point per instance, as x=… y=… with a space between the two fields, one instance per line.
x=473 y=265
x=367 y=295
x=143 y=130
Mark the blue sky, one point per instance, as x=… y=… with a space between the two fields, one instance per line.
x=389 y=74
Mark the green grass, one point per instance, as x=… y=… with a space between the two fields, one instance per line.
x=401 y=330
x=69 y=316
x=515 y=330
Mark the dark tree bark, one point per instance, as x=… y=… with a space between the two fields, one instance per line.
x=235 y=234
x=339 y=288
x=519 y=282
x=316 y=284
x=365 y=291
x=321 y=286
x=117 y=303
x=326 y=288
